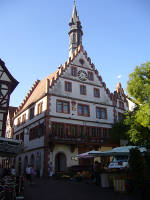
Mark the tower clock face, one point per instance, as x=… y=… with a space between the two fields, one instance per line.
x=82 y=75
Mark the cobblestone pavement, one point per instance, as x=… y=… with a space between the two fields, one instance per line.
x=44 y=189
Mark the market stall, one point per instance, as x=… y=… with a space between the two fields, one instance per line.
x=115 y=173
x=11 y=186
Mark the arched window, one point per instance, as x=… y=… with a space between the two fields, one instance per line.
x=78 y=38
x=74 y=38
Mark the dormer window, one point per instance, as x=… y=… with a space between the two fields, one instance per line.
x=18 y=121
x=23 y=118
x=31 y=113
x=39 y=108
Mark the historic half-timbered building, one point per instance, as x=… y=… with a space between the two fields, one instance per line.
x=7 y=85
x=9 y=122
x=69 y=112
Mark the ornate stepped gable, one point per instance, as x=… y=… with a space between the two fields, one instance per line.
x=38 y=89
x=70 y=60
x=27 y=97
x=119 y=94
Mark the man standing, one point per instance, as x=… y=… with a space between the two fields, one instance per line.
x=28 y=174
x=96 y=172
x=13 y=171
x=51 y=169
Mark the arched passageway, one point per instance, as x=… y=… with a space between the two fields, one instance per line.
x=60 y=162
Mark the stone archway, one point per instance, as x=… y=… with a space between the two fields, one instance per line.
x=60 y=162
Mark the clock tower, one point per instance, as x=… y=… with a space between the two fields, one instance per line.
x=75 y=32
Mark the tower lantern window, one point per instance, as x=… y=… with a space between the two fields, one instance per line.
x=74 y=37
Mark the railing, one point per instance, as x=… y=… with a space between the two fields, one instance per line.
x=83 y=139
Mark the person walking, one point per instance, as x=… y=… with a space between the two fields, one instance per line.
x=51 y=169
x=28 y=174
x=13 y=171
x=96 y=172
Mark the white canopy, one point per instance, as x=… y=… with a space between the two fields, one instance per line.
x=124 y=150
x=86 y=154
x=10 y=147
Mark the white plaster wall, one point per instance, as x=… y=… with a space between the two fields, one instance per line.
x=32 y=144
x=44 y=100
x=81 y=56
x=74 y=115
x=66 y=150
x=84 y=123
x=29 y=154
x=59 y=89
x=27 y=112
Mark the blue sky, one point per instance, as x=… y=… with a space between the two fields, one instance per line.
x=34 y=38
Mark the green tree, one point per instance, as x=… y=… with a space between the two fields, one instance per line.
x=138 y=85
x=138 y=120
x=137 y=166
x=118 y=131
x=137 y=134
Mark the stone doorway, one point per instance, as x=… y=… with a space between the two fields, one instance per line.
x=60 y=162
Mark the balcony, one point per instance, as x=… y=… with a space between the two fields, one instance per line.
x=79 y=140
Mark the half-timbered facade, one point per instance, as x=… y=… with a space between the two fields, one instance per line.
x=7 y=85
x=69 y=112
x=9 y=122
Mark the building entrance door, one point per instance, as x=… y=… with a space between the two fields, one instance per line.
x=60 y=162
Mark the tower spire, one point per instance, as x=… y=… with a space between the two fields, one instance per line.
x=75 y=32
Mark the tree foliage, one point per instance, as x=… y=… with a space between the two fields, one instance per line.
x=137 y=166
x=137 y=134
x=139 y=120
x=139 y=84
x=118 y=132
